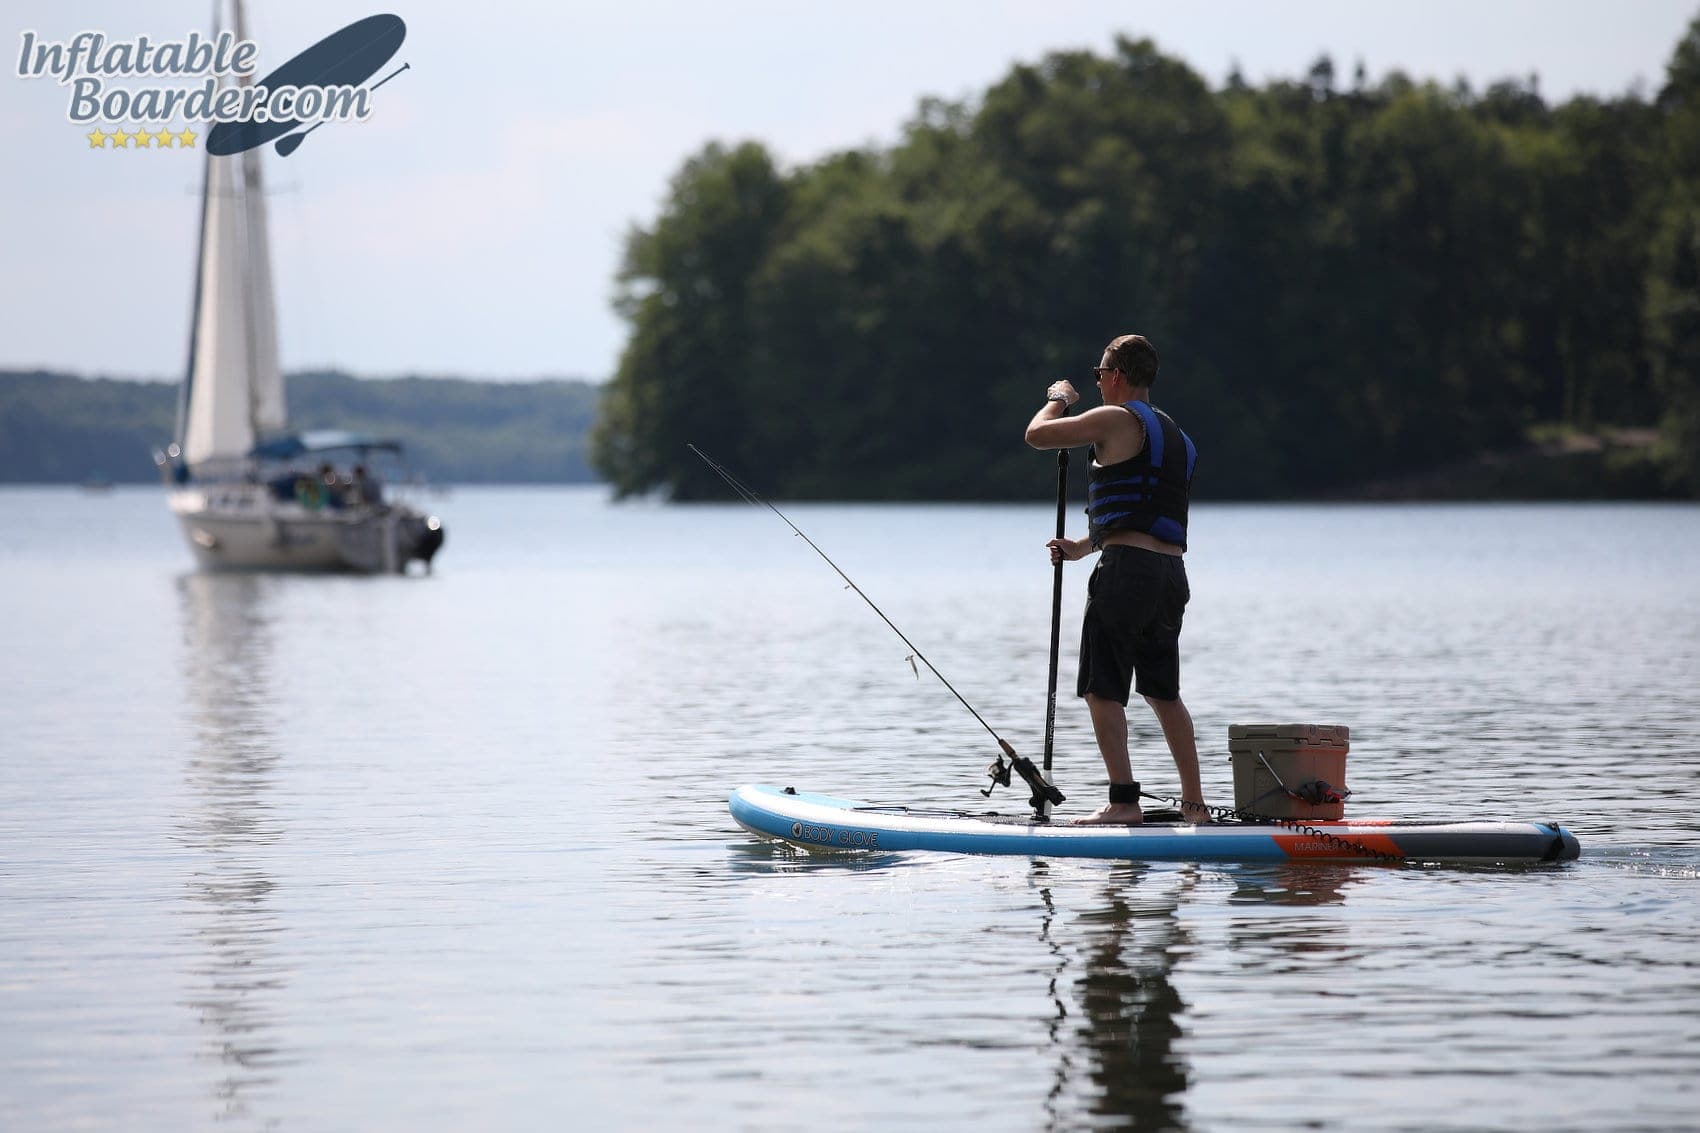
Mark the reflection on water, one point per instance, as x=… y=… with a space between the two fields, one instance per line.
x=234 y=977
x=1270 y=932
x=1119 y=963
x=1297 y=884
x=766 y=856
x=230 y=898
x=1129 y=1007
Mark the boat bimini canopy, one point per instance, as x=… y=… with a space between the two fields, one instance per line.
x=291 y=445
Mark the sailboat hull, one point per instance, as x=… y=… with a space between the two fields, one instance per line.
x=238 y=528
x=239 y=481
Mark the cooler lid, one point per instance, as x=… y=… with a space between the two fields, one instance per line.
x=1287 y=737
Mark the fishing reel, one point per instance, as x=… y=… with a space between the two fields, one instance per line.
x=999 y=773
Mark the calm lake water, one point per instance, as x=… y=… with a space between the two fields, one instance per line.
x=453 y=853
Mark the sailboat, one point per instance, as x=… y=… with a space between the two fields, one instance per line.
x=248 y=492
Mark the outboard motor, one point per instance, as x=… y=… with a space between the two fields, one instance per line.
x=429 y=540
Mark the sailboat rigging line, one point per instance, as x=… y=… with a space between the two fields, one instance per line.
x=751 y=497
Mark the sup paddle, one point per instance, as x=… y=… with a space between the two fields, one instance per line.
x=1056 y=621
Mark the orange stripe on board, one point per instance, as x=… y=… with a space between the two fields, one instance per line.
x=1309 y=846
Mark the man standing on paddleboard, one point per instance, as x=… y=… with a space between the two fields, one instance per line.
x=1141 y=474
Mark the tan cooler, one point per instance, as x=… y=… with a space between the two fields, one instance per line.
x=1299 y=754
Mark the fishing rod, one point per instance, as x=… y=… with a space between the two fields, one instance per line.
x=1044 y=793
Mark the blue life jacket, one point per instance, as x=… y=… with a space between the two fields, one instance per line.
x=1148 y=491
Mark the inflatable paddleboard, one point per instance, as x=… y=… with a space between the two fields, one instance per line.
x=823 y=823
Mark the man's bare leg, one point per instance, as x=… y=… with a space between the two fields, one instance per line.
x=1109 y=724
x=1176 y=722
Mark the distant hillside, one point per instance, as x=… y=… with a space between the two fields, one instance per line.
x=64 y=428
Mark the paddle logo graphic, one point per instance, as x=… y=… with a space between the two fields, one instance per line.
x=331 y=81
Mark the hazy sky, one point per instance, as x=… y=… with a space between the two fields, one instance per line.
x=473 y=225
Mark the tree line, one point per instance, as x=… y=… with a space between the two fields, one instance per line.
x=62 y=428
x=1351 y=282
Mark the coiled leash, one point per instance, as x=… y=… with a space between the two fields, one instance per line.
x=1298 y=826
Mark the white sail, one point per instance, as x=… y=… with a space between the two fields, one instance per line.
x=265 y=376
x=265 y=511
x=235 y=381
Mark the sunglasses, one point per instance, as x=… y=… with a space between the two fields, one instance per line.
x=1098 y=372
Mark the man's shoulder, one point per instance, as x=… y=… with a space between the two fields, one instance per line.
x=1113 y=419
x=1118 y=430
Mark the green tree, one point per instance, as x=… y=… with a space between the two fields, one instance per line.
x=1672 y=314
x=684 y=288
x=1348 y=284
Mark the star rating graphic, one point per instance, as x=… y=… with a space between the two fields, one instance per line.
x=119 y=138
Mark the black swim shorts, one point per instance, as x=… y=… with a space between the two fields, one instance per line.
x=1132 y=627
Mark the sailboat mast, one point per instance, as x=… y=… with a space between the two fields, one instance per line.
x=184 y=391
x=251 y=191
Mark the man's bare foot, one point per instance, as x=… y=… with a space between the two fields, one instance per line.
x=1113 y=814
x=1196 y=813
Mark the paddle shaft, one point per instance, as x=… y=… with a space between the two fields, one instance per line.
x=1056 y=612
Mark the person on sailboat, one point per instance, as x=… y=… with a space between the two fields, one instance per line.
x=1140 y=471
x=368 y=488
